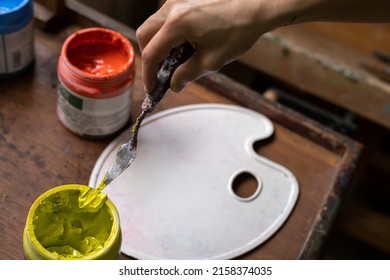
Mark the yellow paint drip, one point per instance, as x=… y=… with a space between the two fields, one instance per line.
x=70 y=231
x=92 y=199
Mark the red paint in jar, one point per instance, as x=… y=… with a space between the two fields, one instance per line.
x=98 y=59
x=96 y=70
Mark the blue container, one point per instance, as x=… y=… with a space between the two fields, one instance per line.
x=16 y=36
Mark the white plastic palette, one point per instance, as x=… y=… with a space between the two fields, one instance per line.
x=176 y=200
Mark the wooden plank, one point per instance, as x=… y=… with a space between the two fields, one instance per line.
x=48 y=13
x=53 y=5
x=304 y=59
x=101 y=19
x=367 y=225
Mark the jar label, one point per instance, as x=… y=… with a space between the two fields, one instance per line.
x=17 y=50
x=92 y=117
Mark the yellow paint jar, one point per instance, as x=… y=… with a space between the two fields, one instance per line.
x=57 y=228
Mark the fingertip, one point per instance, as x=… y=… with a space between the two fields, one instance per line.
x=149 y=86
x=177 y=88
x=177 y=83
x=149 y=76
x=186 y=73
x=145 y=88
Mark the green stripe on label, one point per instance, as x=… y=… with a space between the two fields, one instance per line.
x=73 y=100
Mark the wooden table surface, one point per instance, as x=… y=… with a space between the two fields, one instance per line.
x=38 y=153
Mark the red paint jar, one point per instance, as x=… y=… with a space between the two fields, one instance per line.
x=96 y=70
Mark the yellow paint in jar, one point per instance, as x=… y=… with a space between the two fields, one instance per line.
x=58 y=228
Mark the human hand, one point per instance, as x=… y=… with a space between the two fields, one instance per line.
x=219 y=30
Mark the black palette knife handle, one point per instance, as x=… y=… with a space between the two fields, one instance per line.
x=178 y=56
